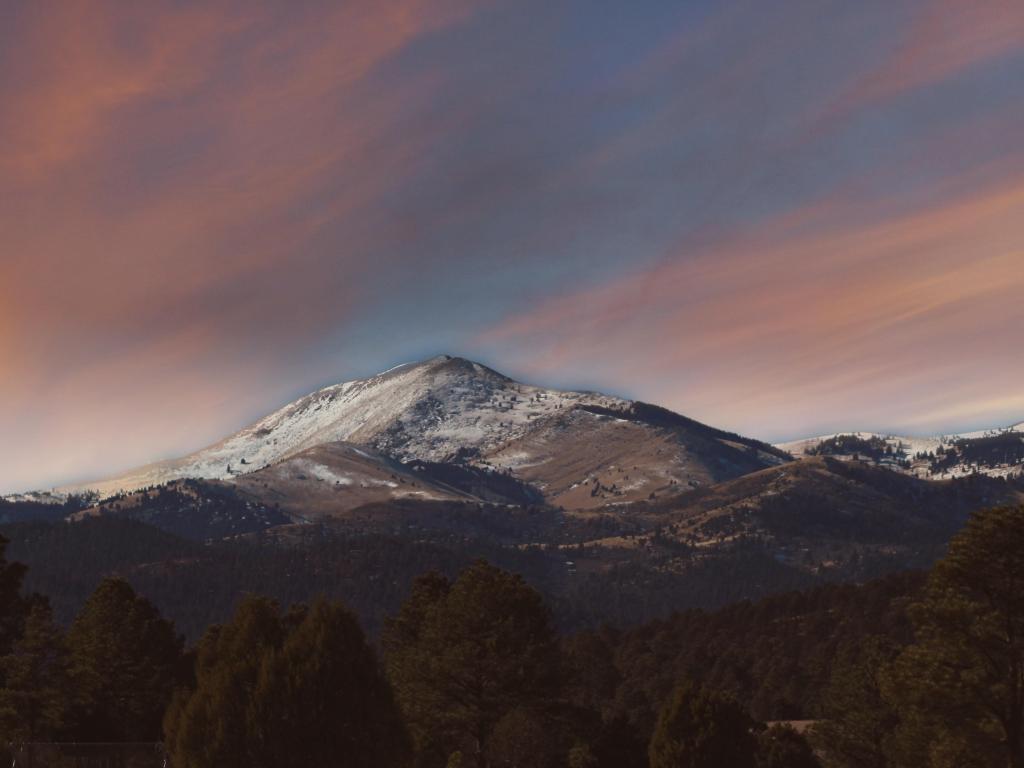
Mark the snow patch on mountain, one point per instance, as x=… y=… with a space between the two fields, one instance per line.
x=321 y=472
x=911 y=449
x=431 y=411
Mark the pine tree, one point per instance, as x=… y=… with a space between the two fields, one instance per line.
x=323 y=699
x=960 y=687
x=521 y=739
x=14 y=608
x=582 y=756
x=277 y=691
x=210 y=725
x=780 y=746
x=125 y=663
x=34 y=698
x=403 y=641
x=858 y=720
x=701 y=729
x=461 y=658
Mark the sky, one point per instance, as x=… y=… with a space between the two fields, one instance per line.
x=783 y=219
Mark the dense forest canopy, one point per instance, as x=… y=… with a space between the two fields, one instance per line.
x=471 y=669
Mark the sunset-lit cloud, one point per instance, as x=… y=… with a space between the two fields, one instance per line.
x=945 y=38
x=774 y=219
x=791 y=326
x=166 y=178
x=103 y=58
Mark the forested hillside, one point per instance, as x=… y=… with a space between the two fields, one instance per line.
x=196 y=584
x=470 y=669
x=195 y=546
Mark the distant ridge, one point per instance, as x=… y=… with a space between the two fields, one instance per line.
x=995 y=452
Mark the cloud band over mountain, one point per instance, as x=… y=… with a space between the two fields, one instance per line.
x=780 y=220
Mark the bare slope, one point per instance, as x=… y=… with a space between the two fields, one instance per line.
x=592 y=456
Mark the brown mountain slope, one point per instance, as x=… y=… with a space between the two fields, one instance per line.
x=332 y=479
x=587 y=457
x=819 y=513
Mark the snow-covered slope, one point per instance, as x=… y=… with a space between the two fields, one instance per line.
x=430 y=410
x=452 y=410
x=911 y=445
x=992 y=452
x=562 y=442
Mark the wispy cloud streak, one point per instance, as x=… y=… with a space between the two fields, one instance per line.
x=772 y=216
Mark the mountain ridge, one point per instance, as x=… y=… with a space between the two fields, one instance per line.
x=595 y=495
x=452 y=410
x=449 y=409
x=997 y=452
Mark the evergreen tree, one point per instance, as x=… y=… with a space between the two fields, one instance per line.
x=461 y=657
x=780 y=746
x=582 y=756
x=14 y=608
x=211 y=725
x=618 y=745
x=278 y=691
x=33 y=700
x=700 y=729
x=125 y=663
x=521 y=740
x=323 y=699
x=858 y=721
x=403 y=640
x=960 y=687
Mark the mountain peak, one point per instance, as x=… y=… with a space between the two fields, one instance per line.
x=448 y=409
x=428 y=410
x=453 y=362
x=454 y=365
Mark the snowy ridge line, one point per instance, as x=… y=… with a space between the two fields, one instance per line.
x=908 y=448
x=907 y=440
x=428 y=411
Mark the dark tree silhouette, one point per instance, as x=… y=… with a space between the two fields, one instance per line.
x=960 y=687
x=780 y=746
x=14 y=608
x=698 y=728
x=125 y=663
x=463 y=656
x=297 y=690
x=858 y=720
x=34 y=697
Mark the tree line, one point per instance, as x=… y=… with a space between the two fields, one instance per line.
x=471 y=672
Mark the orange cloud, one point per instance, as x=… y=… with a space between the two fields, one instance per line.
x=168 y=172
x=946 y=38
x=105 y=58
x=199 y=198
x=773 y=330
x=108 y=55
x=297 y=123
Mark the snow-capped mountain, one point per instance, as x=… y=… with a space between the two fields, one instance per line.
x=577 y=449
x=994 y=452
x=448 y=409
x=429 y=410
x=451 y=448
